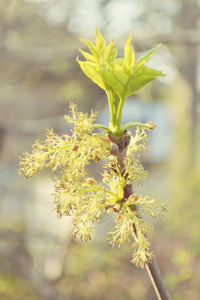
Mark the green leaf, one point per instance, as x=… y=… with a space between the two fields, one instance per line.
x=146 y=57
x=142 y=77
x=129 y=55
x=90 y=70
x=92 y=47
x=100 y=42
x=115 y=77
x=110 y=52
x=88 y=56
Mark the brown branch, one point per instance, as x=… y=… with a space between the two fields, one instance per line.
x=155 y=277
x=151 y=267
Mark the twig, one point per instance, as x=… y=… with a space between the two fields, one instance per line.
x=156 y=280
x=153 y=283
x=152 y=267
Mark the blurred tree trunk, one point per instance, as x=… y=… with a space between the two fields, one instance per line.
x=185 y=103
x=187 y=60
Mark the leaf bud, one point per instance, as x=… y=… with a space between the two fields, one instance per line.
x=133 y=197
x=75 y=148
x=91 y=181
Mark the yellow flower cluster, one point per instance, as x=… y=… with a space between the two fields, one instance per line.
x=83 y=198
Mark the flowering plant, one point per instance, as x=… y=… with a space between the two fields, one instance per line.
x=76 y=193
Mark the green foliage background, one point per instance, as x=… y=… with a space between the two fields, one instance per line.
x=39 y=76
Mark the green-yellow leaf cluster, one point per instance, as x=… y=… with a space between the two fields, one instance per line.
x=122 y=76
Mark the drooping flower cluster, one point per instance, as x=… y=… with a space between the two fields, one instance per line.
x=81 y=196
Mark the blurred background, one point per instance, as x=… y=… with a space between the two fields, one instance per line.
x=39 y=76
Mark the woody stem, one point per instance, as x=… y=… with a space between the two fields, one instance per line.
x=151 y=267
